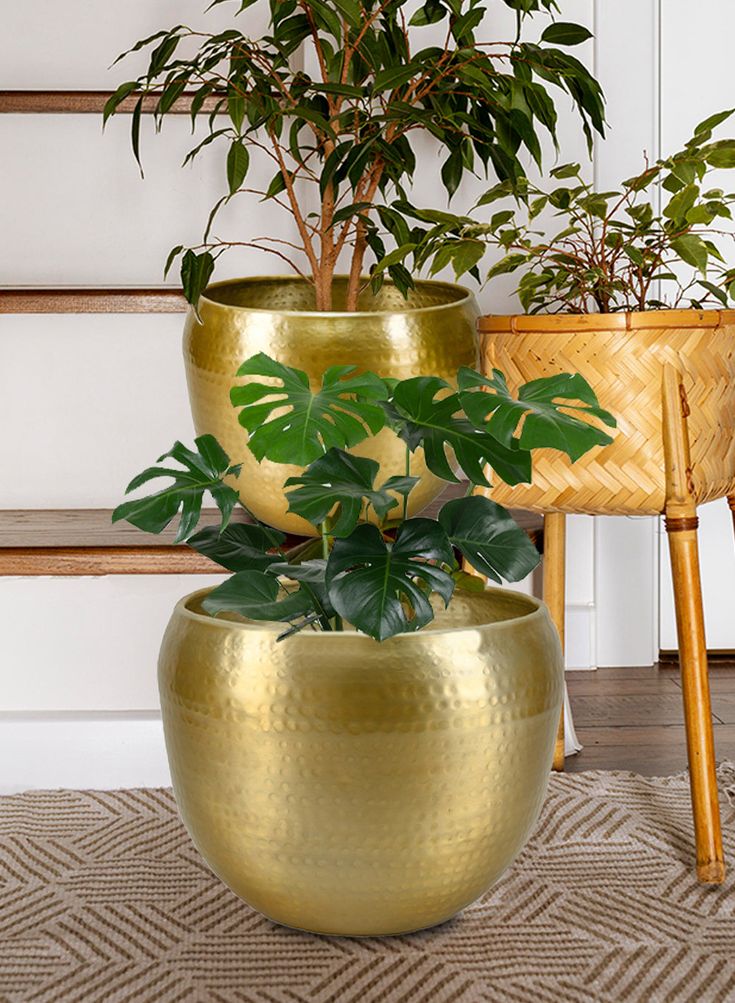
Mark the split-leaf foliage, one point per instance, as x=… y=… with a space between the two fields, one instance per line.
x=340 y=134
x=374 y=567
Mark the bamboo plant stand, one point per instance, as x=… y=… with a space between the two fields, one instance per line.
x=669 y=379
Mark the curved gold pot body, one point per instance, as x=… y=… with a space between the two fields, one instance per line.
x=343 y=786
x=431 y=333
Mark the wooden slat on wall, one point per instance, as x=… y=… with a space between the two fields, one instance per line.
x=77 y=300
x=84 y=102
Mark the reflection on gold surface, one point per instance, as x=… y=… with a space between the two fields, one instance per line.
x=431 y=334
x=346 y=786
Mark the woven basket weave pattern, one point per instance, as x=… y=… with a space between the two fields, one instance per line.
x=625 y=368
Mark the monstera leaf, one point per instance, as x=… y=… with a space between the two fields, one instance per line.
x=311 y=578
x=338 y=478
x=488 y=537
x=239 y=547
x=383 y=588
x=425 y=412
x=544 y=405
x=203 y=471
x=343 y=412
x=254 y=594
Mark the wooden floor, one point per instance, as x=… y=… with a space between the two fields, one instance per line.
x=632 y=719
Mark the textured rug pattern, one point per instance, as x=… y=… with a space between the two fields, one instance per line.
x=104 y=899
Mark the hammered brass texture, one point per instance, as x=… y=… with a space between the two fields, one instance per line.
x=623 y=356
x=431 y=333
x=345 y=786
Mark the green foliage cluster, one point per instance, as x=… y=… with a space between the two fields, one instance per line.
x=611 y=250
x=373 y=566
x=339 y=136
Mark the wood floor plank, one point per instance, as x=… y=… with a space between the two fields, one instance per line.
x=627 y=710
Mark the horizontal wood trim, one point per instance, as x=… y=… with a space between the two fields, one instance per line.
x=74 y=561
x=86 y=103
x=79 y=300
x=84 y=542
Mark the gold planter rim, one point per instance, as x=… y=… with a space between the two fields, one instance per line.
x=457 y=295
x=520 y=607
x=631 y=320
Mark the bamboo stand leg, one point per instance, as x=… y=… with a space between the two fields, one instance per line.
x=681 y=526
x=555 y=528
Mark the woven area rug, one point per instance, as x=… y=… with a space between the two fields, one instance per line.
x=104 y=899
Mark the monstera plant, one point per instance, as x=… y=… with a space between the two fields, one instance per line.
x=333 y=95
x=371 y=566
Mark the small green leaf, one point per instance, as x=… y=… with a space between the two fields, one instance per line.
x=238 y=162
x=196 y=271
x=380 y=587
x=203 y=471
x=426 y=413
x=240 y=546
x=254 y=595
x=489 y=538
x=542 y=405
x=338 y=478
x=691 y=249
x=564 y=33
x=343 y=412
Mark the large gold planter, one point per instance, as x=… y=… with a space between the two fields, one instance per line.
x=349 y=787
x=433 y=333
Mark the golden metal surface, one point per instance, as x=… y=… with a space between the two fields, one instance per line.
x=433 y=333
x=348 y=787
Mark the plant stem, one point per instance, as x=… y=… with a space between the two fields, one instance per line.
x=408 y=474
x=325 y=541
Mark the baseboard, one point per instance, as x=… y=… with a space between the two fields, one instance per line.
x=580 y=627
x=714 y=655
x=90 y=750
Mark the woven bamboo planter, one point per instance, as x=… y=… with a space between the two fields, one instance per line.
x=623 y=358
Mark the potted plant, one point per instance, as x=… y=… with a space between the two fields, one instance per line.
x=339 y=137
x=636 y=299
x=359 y=732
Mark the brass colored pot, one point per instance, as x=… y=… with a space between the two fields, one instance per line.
x=432 y=333
x=345 y=786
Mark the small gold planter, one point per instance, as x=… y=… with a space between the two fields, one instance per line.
x=431 y=333
x=343 y=786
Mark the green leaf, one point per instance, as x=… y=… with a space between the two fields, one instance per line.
x=489 y=538
x=721 y=154
x=692 y=250
x=112 y=103
x=240 y=546
x=714 y=120
x=338 y=478
x=254 y=594
x=425 y=413
x=680 y=204
x=564 y=33
x=343 y=412
x=381 y=587
x=451 y=172
x=203 y=471
x=542 y=405
x=565 y=171
x=238 y=162
x=196 y=271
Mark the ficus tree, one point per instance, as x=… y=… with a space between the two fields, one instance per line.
x=603 y=250
x=334 y=94
x=371 y=565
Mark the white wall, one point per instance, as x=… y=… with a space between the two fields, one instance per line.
x=91 y=399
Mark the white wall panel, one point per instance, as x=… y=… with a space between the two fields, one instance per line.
x=85 y=402
x=70 y=44
x=73 y=201
x=86 y=644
